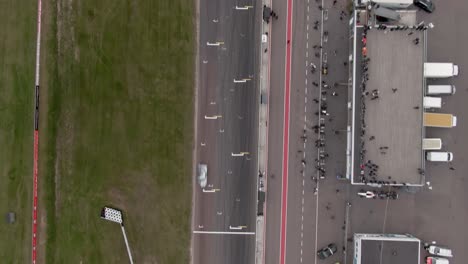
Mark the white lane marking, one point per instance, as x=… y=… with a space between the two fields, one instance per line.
x=215 y=44
x=223 y=232
x=213 y=117
x=211 y=190
x=237 y=227
x=305 y=126
x=243 y=7
x=240 y=154
x=241 y=80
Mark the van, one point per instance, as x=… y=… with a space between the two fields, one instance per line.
x=202 y=175
x=436 y=260
x=441 y=89
x=439 y=251
x=432 y=102
x=439 y=156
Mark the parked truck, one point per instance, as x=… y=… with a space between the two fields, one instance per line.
x=395 y=4
x=447 y=89
x=440 y=70
x=432 y=144
x=439 y=157
x=440 y=120
x=432 y=102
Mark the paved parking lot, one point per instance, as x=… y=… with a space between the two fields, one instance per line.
x=435 y=212
x=432 y=213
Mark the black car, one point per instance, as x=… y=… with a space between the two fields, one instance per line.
x=327 y=251
x=425 y=5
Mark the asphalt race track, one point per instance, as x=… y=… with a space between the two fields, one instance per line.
x=227 y=132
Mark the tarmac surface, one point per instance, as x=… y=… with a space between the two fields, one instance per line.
x=227 y=132
x=435 y=212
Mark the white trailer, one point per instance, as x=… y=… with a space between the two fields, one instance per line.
x=441 y=89
x=432 y=102
x=394 y=4
x=440 y=70
x=432 y=144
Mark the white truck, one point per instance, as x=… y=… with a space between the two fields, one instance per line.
x=432 y=102
x=448 y=89
x=432 y=144
x=395 y=4
x=440 y=70
x=439 y=156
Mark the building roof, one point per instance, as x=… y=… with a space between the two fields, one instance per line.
x=393 y=122
x=389 y=252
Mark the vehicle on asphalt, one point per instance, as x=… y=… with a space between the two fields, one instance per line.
x=439 y=251
x=439 y=120
x=325 y=68
x=367 y=194
x=394 y=4
x=327 y=251
x=441 y=89
x=440 y=70
x=432 y=102
x=439 y=156
x=432 y=144
x=202 y=174
x=436 y=260
x=426 y=5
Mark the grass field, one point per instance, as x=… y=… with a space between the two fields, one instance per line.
x=17 y=51
x=118 y=130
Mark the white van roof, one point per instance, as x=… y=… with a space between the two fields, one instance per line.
x=440 y=251
x=441 y=89
x=432 y=102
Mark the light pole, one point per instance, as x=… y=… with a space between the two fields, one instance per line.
x=114 y=215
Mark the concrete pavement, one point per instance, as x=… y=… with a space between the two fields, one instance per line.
x=317 y=220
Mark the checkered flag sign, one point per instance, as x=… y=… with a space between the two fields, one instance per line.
x=111 y=214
